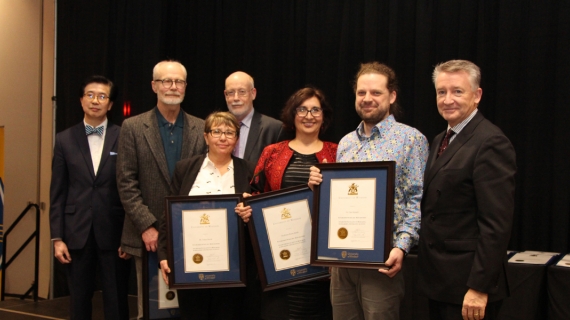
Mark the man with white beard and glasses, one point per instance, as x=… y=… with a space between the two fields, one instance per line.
x=150 y=144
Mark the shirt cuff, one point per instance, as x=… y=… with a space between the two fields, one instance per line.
x=404 y=242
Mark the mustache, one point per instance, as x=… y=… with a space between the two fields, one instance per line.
x=368 y=102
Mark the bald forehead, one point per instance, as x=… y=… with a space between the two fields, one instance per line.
x=239 y=78
x=164 y=67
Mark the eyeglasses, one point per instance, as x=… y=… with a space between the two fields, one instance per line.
x=167 y=83
x=100 y=97
x=216 y=133
x=303 y=111
x=240 y=92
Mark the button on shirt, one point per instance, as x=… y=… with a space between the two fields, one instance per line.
x=96 y=145
x=171 y=135
x=394 y=141
x=210 y=181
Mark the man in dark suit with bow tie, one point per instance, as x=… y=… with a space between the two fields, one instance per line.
x=467 y=205
x=86 y=214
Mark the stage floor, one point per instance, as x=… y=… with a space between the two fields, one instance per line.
x=16 y=309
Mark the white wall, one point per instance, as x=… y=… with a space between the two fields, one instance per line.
x=26 y=66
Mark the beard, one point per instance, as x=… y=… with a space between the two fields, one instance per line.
x=171 y=100
x=373 y=117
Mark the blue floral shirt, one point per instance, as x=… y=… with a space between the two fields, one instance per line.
x=394 y=141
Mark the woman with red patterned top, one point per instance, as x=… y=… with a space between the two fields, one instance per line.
x=286 y=164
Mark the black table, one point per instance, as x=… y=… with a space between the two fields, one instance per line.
x=558 y=286
x=528 y=298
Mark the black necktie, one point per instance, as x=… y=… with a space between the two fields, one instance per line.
x=445 y=142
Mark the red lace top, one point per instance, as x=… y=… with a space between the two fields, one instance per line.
x=274 y=160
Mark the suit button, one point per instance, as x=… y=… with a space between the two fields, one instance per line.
x=432 y=218
x=430 y=244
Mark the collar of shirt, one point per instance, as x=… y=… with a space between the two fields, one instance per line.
x=247 y=120
x=104 y=124
x=96 y=142
x=162 y=122
x=381 y=128
x=463 y=123
x=209 y=165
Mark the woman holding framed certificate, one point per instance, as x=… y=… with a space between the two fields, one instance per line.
x=216 y=172
x=286 y=164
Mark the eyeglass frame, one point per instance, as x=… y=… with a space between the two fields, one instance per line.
x=236 y=133
x=298 y=111
x=101 y=97
x=176 y=82
x=228 y=93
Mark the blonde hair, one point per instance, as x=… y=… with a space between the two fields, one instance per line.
x=217 y=118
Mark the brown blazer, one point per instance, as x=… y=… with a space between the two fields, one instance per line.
x=142 y=172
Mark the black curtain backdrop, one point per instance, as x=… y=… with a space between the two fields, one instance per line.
x=522 y=47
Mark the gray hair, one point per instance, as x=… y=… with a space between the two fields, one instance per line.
x=460 y=65
x=155 y=69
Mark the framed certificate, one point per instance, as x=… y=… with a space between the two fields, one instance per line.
x=353 y=210
x=157 y=303
x=280 y=230
x=205 y=242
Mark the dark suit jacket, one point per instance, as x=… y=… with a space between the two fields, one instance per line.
x=142 y=172
x=184 y=176
x=467 y=213
x=263 y=132
x=80 y=200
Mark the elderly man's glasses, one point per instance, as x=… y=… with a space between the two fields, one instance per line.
x=167 y=83
x=216 y=133
x=92 y=96
x=303 y=111
x=240 y=92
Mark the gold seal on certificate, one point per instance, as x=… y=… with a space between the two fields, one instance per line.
x=285 y=214
x=170 y=295
x=342 y=233
x=197 y=258
x=353 y=190
x=285 y=254
x=205 y=219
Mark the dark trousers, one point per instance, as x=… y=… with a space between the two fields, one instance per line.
x=81 y=278
x=449 y=311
